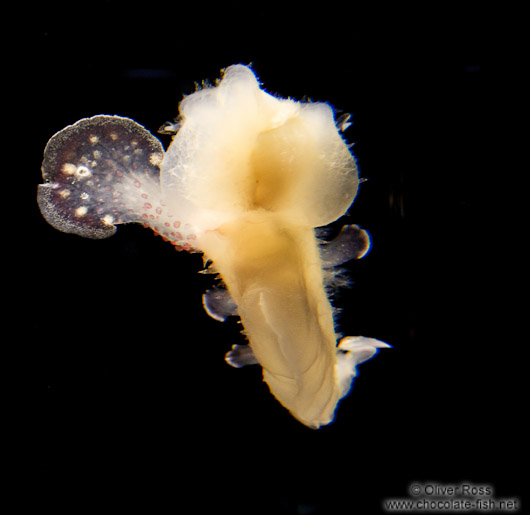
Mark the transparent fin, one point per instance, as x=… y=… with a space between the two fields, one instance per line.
x=343 y=122
x=351 y=243
x=241 y=356
x=170 y=127
x=351 y=351
x=218 y=304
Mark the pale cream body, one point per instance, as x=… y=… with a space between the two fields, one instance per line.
x=246 y=180
x=272 y=271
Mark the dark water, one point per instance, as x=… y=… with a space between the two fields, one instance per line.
x=125 y=400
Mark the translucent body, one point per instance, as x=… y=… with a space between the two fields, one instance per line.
x=246 y=179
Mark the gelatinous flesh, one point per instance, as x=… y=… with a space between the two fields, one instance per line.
x=246 y=180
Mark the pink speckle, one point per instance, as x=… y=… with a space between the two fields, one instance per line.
x=119 y=173
x=147 y=205
x=144 y=195
x=167 y=224
x=137 y=183
x=176 y=225
x=145 y=215
x=158 y=210
x=152 y=217
x=178 y=236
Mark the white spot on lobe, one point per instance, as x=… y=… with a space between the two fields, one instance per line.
x=69 y=168
x=156 y=158
x=83 y=171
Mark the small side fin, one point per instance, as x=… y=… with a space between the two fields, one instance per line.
x=170 y=127
x=352 y=242
x=351 y=351
x=240 y=356
x=343 y=122
x=218 y=304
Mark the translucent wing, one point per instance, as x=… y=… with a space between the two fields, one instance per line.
x=241 y=356
x=104 y=171
x=351 y=243
x=218 y=303
x=352 y=351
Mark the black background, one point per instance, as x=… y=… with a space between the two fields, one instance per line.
x=126 y=401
